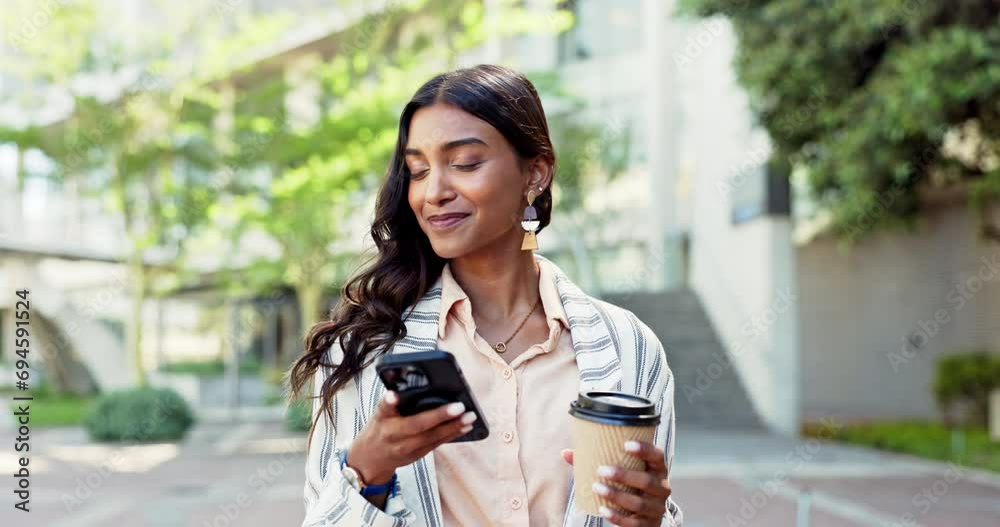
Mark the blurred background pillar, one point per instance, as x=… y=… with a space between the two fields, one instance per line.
x=231 y=343
x=662 y=127
x=744 y=265
x=783 y=338
x=272 y=321
x=159 y=350
x=493 y=47
x=544 y=54
x=995 y=415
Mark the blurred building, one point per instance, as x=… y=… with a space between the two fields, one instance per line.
x=766 y=320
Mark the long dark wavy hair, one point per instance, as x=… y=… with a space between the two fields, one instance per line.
x=368 y=320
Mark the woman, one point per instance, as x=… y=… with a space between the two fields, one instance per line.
x=472 y=171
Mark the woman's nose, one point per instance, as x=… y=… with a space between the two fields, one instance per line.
x=438 y=189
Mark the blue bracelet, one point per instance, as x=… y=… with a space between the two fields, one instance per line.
x=374 y=490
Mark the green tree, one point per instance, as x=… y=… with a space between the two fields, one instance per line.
x=148 y=150
x=317 y=177
x=318 y=172
x=877 y=103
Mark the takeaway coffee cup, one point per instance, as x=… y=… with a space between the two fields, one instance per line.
x=603 y=422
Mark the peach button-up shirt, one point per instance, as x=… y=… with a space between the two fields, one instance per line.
x=515 y=476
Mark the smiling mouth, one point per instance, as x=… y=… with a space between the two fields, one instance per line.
x=446 y=221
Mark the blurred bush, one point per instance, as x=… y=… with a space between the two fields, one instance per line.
x=967 y=446
x=963 y=384
x=139 y=414
x=273 y=377
x=274 y=382
x=298 y=415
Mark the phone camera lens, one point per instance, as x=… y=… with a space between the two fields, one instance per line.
x=416 y=379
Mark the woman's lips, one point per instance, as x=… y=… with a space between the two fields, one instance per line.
x=446 y=221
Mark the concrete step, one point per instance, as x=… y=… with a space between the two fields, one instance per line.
x=705 y=395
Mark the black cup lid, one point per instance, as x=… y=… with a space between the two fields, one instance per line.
x=615 y=408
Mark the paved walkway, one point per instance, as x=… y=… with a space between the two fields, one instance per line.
x=251 y=475
x=754 y=479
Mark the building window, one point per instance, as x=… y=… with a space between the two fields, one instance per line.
x=601 y=28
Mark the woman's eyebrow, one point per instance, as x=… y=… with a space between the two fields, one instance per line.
x=462 y=142
x=450 y=145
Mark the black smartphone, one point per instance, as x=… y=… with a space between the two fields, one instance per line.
x=426 y=380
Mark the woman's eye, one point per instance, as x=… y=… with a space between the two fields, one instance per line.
x=419 y=173
x=467 y=166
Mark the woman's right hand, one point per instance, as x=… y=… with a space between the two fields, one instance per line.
x=389 y=441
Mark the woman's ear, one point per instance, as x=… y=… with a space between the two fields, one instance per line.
x=539 y=173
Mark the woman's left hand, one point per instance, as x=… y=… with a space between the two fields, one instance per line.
x=646 y=508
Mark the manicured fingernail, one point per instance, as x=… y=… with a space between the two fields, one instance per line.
x=455 y=409
x=469 y=417
x=632 y=446
x=601 y=488
x=466 y=429
x=605 y=471
x=606 y=512
x=391 y=397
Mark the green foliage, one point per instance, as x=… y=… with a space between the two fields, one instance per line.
x=967 y=380
x=51 y=409
x=928 y=440
x=139 y=414
x=67 y=45
x=66 y=410
x=320 y=165
x=878 y=101
x=149 y=151
x=273 y=376
x=318 y=174
x=179 y=178
x=298 y=415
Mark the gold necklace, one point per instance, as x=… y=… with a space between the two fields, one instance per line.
x=502 y=346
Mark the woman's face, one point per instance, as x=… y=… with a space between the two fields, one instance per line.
x=467 y=184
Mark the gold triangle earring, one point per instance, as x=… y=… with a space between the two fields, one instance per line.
x=530 y=223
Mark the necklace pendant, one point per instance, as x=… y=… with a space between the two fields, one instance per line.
x=500 y=347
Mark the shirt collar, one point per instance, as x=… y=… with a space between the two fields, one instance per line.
x=452 y=294
x=551 y=301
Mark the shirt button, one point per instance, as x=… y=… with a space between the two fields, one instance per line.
x=515 y=503
x=508 y=437
x=507 y=372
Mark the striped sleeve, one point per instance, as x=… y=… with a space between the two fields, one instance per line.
x=666 y=431
x=330 y=501
x=647 y=372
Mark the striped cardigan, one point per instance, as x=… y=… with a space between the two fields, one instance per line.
x=614 y=351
